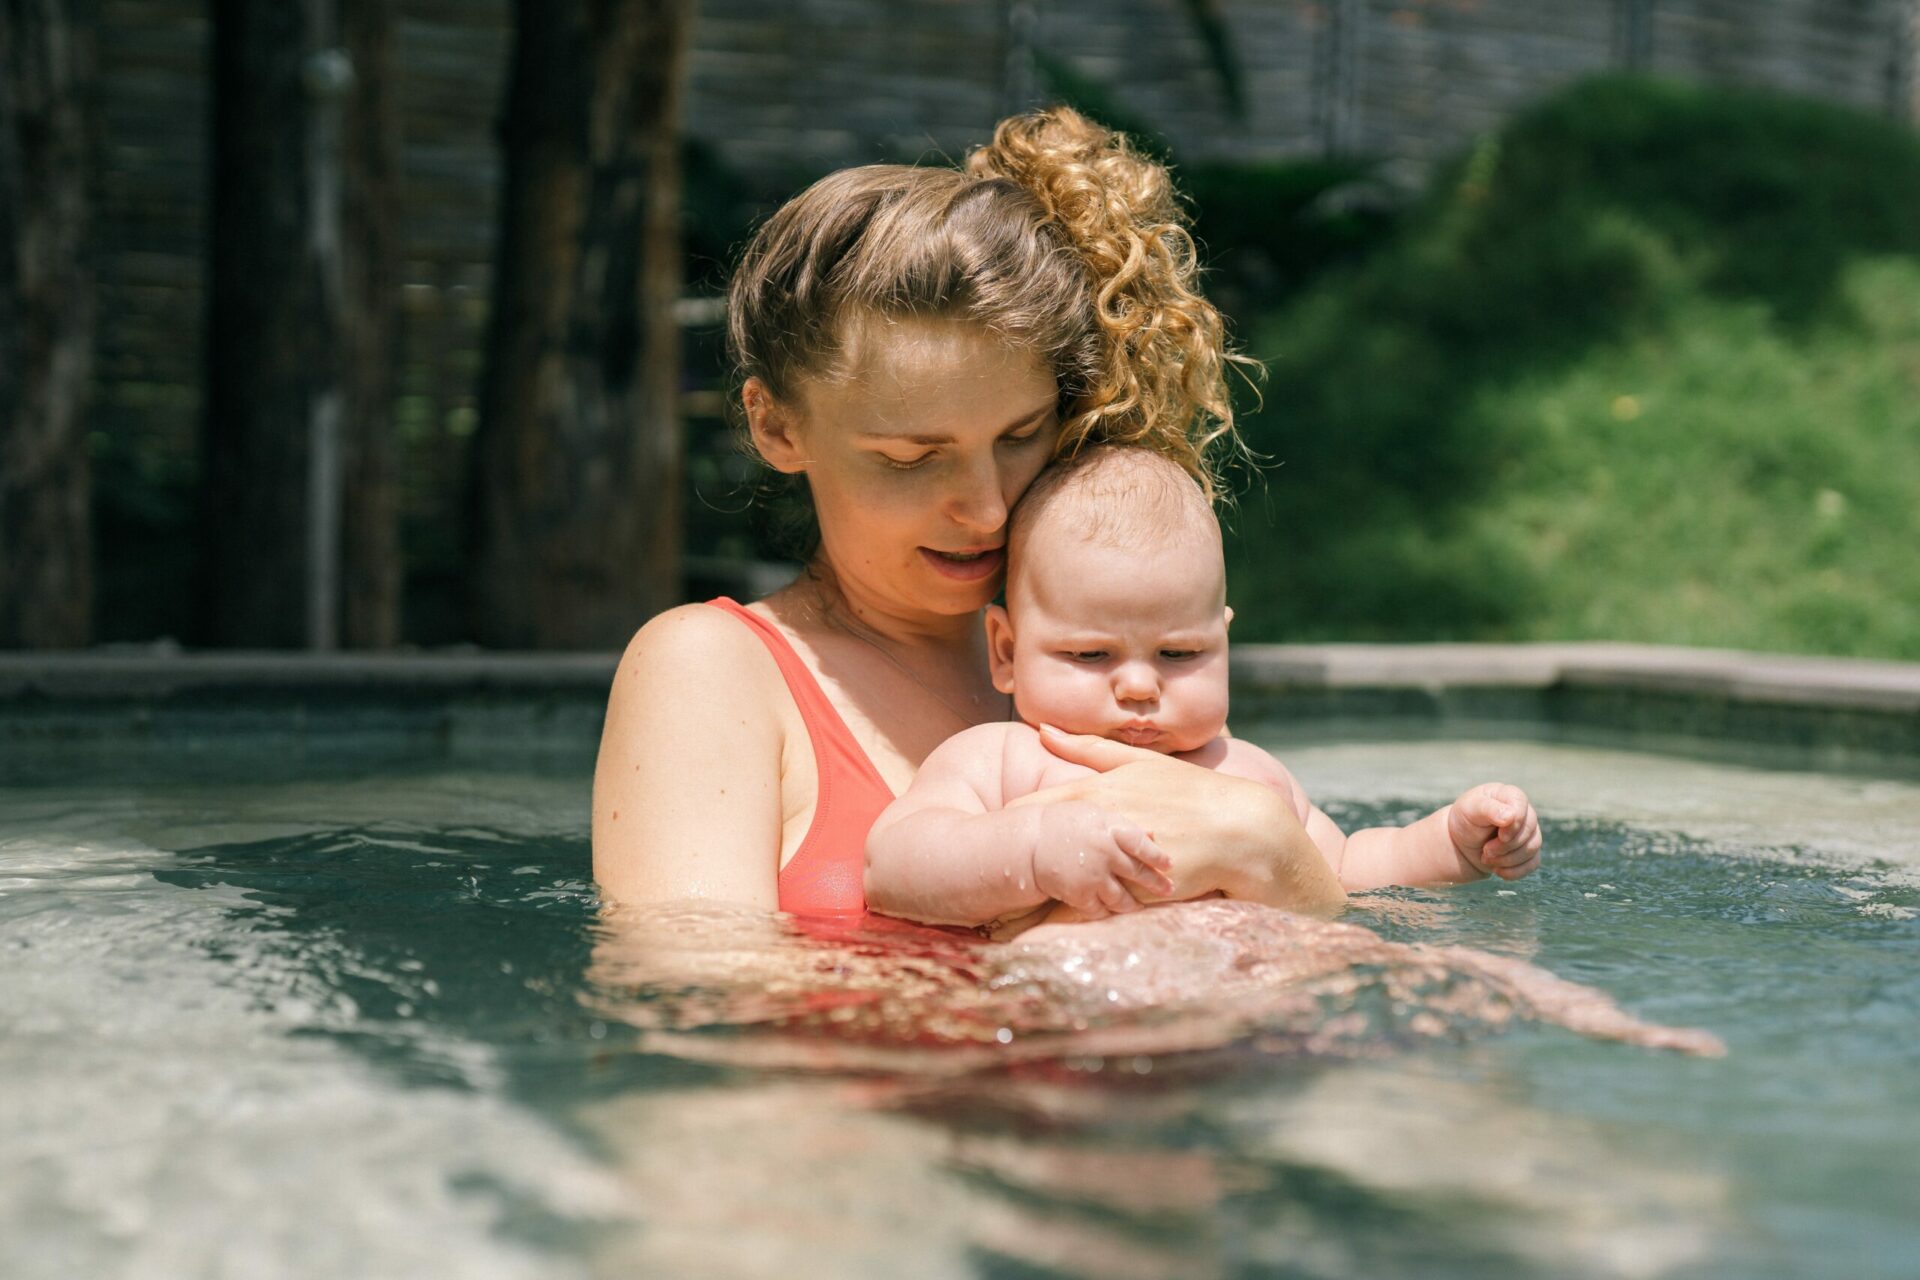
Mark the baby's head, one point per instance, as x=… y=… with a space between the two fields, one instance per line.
x=1116 y=615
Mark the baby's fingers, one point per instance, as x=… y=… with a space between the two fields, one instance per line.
x=1518 y=870
x=1516 y=855
x=1145 y=863
x=1114 y=896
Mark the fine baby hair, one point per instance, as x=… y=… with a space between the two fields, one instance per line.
x=1119 y=496
x=1057 y=236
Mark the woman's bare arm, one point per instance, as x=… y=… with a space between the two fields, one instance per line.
x=686 y=794
x=1223 y=833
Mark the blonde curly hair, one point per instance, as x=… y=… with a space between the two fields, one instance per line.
x=1059 y=236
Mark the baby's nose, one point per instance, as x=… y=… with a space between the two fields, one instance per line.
x=1135 y=682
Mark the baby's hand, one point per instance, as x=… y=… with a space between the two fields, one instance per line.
x=1088 y=857
x=1496 y=830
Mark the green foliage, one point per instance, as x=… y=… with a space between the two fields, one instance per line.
x=1645 y=365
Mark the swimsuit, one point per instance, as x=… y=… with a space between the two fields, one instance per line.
x=826 y=873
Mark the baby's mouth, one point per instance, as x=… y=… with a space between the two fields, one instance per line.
x=1138 y=735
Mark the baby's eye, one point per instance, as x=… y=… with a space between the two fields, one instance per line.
x=1179 y=655
x=1088 y=655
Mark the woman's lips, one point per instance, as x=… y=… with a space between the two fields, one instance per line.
x=984 y=566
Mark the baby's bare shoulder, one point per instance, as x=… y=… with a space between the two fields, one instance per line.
x=1239 y=758
x=974 y=759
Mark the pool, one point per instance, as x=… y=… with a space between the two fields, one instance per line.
x=356 y=1014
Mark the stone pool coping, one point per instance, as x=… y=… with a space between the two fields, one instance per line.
x=1733 y=675
x=1434 y=669
x=61 y=711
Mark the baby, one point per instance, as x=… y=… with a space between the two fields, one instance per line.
x=1116 y=624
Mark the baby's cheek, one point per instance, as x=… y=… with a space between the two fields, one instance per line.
x=1044 y=694
x=1202 y=707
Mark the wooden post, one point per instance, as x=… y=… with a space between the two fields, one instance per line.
x=1336 y=75
x=302 y=280
x=46 y=324
x=1903 y=62
x=575 y=515
x=1633 y=34
x=369 y=538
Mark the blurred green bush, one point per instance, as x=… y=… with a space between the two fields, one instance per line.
x=1643 y=365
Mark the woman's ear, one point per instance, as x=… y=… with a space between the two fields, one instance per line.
x=772 y=427
x=1000 y=647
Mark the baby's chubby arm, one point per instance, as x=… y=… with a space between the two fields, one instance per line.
x=949 y=851
x=1491 y=829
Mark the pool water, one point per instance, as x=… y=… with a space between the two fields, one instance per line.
x=352 y=1026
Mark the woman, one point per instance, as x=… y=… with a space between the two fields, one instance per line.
x=916 y=344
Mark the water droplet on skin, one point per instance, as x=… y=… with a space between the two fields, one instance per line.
x=1113 y=997
x=1023 y=884
x=1143 y=1066
x=1004 y=1035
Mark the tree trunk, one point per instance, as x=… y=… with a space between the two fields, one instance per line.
x=302 y=306
x=46 y=324
x=575 y=515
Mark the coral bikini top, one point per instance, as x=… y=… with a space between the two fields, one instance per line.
x=825 y=875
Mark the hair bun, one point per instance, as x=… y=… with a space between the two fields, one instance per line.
x=1089 y=179
x=1164 y=345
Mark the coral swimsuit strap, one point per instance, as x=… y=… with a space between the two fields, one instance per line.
x=825 y=874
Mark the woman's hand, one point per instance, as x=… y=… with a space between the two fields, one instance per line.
x=1221 y=833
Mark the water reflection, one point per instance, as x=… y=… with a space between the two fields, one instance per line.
x=1195 y=1091
x=1197 y=978
x=1188 y=1091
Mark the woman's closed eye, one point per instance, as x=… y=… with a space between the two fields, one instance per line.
x=1032 y=435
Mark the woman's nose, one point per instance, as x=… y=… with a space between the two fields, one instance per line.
x=978 y=502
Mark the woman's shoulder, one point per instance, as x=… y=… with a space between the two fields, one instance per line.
x=697 y=650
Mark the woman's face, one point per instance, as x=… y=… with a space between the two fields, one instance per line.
x=915 y=460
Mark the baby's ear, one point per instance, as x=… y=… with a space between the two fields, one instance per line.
x=1229 y=615
x=1000 y=647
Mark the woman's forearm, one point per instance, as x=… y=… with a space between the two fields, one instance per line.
x=948 y=866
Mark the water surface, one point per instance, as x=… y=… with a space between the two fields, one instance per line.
x=374 y=1025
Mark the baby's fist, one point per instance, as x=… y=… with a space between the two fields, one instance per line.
x=1495 y=829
